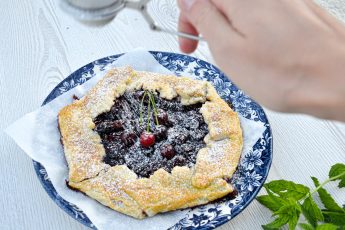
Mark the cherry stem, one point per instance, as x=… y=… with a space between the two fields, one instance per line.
x=149 y=116
x=152 y=99
x=141 y=108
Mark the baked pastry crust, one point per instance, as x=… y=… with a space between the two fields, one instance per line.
x=118 y=187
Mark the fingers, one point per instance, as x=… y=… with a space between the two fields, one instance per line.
x=187 y=45
x=207 y=20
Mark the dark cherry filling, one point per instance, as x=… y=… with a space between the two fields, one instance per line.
x=176 y=140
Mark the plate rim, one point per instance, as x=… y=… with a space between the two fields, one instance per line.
x=55 y=197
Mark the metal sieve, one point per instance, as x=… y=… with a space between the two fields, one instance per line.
x=103 y=10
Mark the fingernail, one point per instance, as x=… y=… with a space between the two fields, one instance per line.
x=186 y=4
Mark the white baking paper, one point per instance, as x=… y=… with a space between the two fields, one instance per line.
x=37 y=134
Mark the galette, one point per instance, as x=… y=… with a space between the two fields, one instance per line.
x=144 y=143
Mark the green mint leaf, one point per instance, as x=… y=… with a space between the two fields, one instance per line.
x=287 y=214
x=265 y=227
x=327 y=227
x=277 y=223
x=290 y=211
x=337 y=172
x=311 y=211
x=287 y=189
x=272 y=203
x=326 y=198
x=306 y=226
x=293 y=220
x=333 y=217
x=275 y=198
x=342 y=183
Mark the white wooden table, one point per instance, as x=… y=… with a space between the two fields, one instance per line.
x=40 y=45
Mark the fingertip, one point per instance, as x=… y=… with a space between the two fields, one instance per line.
x=187 y=45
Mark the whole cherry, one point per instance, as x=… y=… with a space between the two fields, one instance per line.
x=147 y=139
x=128 y=138
x=162 y=117
x=167 y=151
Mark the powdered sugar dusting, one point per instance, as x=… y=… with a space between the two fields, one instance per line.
x=178 y=137
x=101 y=97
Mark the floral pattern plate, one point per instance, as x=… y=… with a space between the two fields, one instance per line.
x=252 y=170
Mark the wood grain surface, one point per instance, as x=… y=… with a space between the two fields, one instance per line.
x=40 y=45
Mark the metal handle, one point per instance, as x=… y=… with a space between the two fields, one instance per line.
x=141 y=6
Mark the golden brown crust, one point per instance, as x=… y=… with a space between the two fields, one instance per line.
x=82 y=147
x=108 y=189
x=165 y=191
x=118 y=187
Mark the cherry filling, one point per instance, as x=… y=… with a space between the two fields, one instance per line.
x=174 y=142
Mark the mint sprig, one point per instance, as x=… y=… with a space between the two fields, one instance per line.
x=288 y=200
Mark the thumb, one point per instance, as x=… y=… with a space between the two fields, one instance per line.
x=206 y=18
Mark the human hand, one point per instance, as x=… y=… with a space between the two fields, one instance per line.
x=289 y=54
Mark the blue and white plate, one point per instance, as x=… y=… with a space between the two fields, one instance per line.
x=252 y=170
